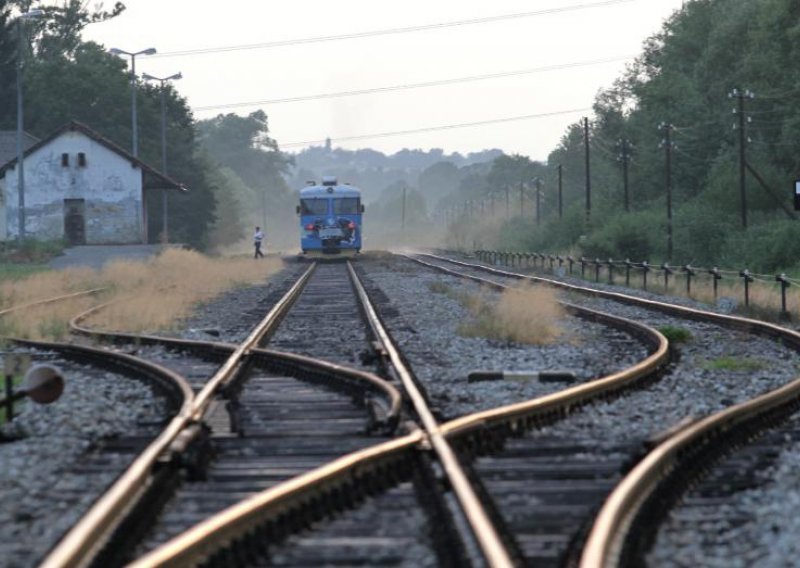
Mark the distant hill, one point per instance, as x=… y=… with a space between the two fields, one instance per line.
x=373 y=171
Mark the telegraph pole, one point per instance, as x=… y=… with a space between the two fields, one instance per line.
x=740 y=96
x=667 y=144
x=521 y=200
x=588 y=176
x=560 y=196
x=624 y=156
x=538 y=183
x=508 y=204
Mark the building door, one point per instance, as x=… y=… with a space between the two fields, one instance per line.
x=75 y=221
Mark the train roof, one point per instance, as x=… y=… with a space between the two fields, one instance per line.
x=329 y=190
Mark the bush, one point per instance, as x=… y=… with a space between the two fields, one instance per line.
x=770 y=247
x=30 y=251
x=629 y=235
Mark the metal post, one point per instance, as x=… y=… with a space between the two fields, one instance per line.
x=668 y=149
x=588 y=176
x=624 y=158
x=560 y=197
x=134 y=125
x=164 y=162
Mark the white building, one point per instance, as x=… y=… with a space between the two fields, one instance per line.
x=81 y=187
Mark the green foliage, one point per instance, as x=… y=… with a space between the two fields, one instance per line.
x=8 y=59
x=765 y=248
x=675 y=334
x=633 y=236
x=253 y=192
x=734 y=364
x=30 y=251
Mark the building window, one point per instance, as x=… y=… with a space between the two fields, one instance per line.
x=64 y=160
x=81 y=160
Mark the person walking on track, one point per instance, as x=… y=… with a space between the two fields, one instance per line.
x=258 y=238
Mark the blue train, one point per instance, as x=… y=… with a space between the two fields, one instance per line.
x=330 y=217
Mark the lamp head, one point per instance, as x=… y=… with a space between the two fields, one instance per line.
x=148 y=51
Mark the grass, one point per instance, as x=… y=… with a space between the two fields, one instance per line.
x=526 y=314
x=731 y=363
x=675 y=334
x=146 y=296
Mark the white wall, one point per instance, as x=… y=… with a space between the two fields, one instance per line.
x=109 y=184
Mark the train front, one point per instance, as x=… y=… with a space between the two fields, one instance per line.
x=330 y=218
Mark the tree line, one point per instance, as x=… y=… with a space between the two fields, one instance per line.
x=675 y=120
x=230 y=164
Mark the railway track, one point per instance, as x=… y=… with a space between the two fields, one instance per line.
x=532 y=490
x=710 y=519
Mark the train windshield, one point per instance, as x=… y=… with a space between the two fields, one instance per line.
x=314 y=206
x=346 y=206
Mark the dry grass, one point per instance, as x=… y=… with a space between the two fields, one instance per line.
x=525 y=314
x=146 y=296
x=45 y=285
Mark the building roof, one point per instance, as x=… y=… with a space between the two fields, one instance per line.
x=152 y=178
x=8 y=144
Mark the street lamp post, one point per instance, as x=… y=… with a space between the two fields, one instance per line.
x=148 y=51
x=20 y=169
x=163 y=81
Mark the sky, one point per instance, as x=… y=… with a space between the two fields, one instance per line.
x=552 y=58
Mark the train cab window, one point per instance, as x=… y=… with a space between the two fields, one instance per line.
x=313 y=206
x=346 y=206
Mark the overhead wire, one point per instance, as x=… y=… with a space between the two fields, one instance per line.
x=451 y=81
x=389 y=31
x=435 y=128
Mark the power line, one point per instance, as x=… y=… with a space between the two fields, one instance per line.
x=434 y=128
x=436 y=83
x=388 y=31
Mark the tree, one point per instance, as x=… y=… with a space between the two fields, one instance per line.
x=57 y=33
x=243 y=145
x=8 y=60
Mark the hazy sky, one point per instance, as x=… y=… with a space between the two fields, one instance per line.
x=576 y=48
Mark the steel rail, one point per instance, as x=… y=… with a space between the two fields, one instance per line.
x=733 y=322
x=605 y=543
x=195 y=545
x=52 y=300
x=564 y=400
x=483 y=530
x=84 y=539
x=222 y=349
x=77 y=547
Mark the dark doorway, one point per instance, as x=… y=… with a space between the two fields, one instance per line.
x=75 y=221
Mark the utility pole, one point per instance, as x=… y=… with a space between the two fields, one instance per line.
x=666 y=142
x=560 y=196
x=521 y=200
x=624 y=157
x=508 y=205
x=538 y=184
x=588 y=175
x=741 y=96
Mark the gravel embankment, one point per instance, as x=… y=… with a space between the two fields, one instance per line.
x=48 y=477
x=717 y=368
x=425 y=318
